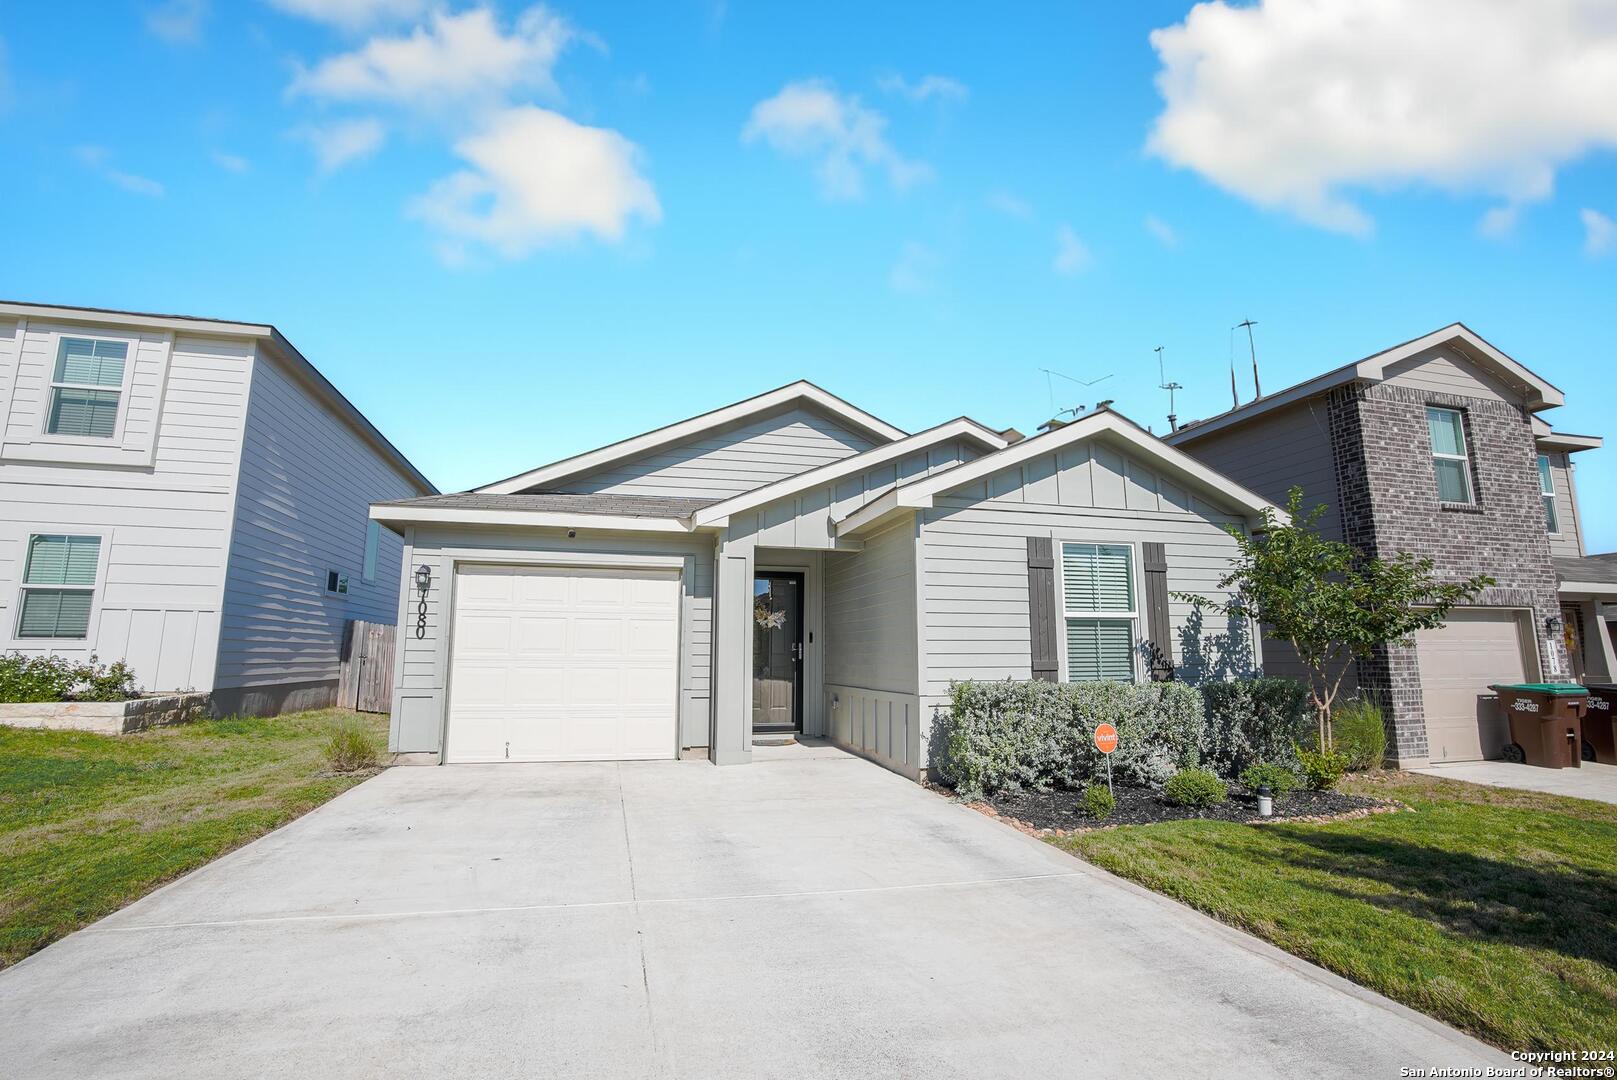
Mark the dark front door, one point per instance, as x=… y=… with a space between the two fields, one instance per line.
x=777 y=652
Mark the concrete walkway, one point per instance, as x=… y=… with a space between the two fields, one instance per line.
x=808 y=915
x=1591 y=781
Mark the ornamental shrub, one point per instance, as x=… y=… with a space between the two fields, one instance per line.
x=1015 y=736
x=55 y=678
x=1360 y=733
x=1277 y=778
x=1322 y=768
x=1195 y=787
x=1253 y=720
x=1098 y=801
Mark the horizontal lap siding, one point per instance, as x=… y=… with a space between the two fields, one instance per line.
x=1281 y=449
x=721 y=464
x=1568 y=543
x=306 y=483
x=166 y=523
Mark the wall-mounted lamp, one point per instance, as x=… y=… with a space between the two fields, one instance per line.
x=423 y=582
x=1553 y=624
x=423 y=577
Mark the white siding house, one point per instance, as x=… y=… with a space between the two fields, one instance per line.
x=175 y=493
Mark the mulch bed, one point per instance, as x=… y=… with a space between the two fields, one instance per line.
x=1060 y=811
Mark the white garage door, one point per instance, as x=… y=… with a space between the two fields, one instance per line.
x=563 y=664
x=1457 y=662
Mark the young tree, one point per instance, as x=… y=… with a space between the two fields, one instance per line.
x=1334 y=603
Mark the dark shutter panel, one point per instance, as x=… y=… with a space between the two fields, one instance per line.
x=1158 y=631
x=1041 y=609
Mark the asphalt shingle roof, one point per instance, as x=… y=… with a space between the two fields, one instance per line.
x=1601 y=568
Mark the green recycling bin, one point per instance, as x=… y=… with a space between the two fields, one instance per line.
x=1546 y=723
x=1600 y=724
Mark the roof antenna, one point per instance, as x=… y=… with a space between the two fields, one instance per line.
x=1250 y=344
x=1164 y=384
x=1235 y=397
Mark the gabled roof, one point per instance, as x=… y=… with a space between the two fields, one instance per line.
x=718 y=513
x=801 y=392
x=1539 y=393
x=1548 y=438
x=1175 y=464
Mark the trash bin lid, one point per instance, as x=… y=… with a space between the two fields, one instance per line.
x=1603 y=687
x=1553 y=689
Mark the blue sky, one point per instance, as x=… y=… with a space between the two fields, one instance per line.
x=511 y=234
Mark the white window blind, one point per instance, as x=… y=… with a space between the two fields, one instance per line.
x=1546 y=487
x=58 y=586
x=86 y=387
x=1097 y=583
x=1449 y=456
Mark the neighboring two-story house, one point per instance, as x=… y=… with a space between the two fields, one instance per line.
x=188 y=496
x=1436 y=447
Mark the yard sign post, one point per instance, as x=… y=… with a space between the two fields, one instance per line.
x=1106 y=742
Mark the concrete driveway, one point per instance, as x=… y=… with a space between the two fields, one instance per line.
x=1591 y=781
x=809 y=915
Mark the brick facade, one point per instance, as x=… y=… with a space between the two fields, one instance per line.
x=1388 y=489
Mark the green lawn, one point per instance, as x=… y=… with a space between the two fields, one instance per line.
x=1493 y=910
x=89 y=823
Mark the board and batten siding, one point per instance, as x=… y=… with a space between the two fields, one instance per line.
x=421 y=679
x=1568 y=541
x=872 y=674
x=161 y=500
x=974 y=619
x=306 y=483
x=719 y=464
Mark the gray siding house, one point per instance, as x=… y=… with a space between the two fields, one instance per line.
x=189 y=496
x=1437 y=447
x=792 y=563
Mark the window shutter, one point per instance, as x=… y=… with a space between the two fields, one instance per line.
x=1041 y=608
x=1159 y=632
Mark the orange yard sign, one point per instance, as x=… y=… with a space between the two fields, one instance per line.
x=1106 y=738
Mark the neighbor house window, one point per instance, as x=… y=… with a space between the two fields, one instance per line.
x=58 y=586
x=85 y=388
x=1546 y=487
x=373 y=539
x=1449 y=455
x=1097 y=589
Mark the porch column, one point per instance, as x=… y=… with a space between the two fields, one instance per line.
x=731 y=740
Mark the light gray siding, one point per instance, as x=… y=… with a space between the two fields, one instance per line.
x=1273 y=452
x=421 y=678
x=974 y=580
x=306 y=484
x=161 y=502
x=720 y=464
x=1441 y=371
x=1568 y=541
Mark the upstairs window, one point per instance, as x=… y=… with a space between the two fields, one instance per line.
x=86 y=387
x=1546 y=487
x=1097 y=582
x=1450 y=457
x=58 y=586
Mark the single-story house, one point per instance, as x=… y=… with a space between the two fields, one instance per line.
x=792 y=563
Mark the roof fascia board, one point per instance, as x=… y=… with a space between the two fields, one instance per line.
x=1562 y=440
x=423 y=515
x=729 y=414
x=105 y=317
x=719 y=513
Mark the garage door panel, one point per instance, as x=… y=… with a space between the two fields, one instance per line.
x=563 y=664
x=1457 y=662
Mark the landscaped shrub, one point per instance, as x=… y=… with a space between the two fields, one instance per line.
x=55 y=678
x=1322 y=768
x=351 y=748
x=1195 y=787
x=1099 y=802
x=1279 y=779
x=1253 y=720
x=1011 y=736
x=1360 y=733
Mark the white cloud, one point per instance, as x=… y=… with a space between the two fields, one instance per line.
x=1599 y=233
x=916 y=269
x=98 y=158
x=1072 y=255
x=230 y=162
x=352 y=14
x=537 y=178
x=1160 y=229
x=343 y=142
x=809 y=119
x=1291 y=103
x=1499 y=221
x=453 y=60
x=1010 y=205
x=927 y=86
x=178 y=22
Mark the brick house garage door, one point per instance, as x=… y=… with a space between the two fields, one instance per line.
x=563 y=664
x=1457 y=662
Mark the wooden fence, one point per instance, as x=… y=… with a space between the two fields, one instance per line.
x=366 y=680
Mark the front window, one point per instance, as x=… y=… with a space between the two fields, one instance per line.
x=85 y=388
x=1097 y=589
x=58 y=586
x=1449 y=455
x=1546 y=487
